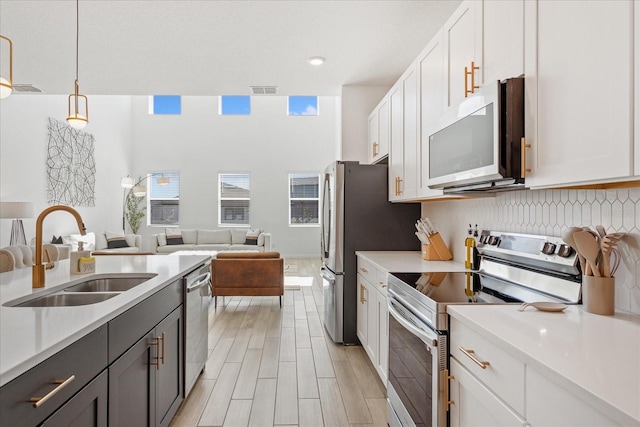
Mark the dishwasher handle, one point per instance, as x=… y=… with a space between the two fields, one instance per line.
x=200 y=281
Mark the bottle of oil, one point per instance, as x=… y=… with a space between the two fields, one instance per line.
x=470 y=243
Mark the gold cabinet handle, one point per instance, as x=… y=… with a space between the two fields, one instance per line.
x=364 y=270
x=400 y=181
x=38 y=401
x=159 y=343
x=375 y=149
x=471 y=355
x=362 y=297
x=471 y=73
x=164 y=340
x=523 y=165
x=446 y=378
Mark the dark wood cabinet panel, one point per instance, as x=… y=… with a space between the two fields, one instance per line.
x=83 y=360
x=132 y=386
x=170 y=378
x=131 y=325
x=88 y=408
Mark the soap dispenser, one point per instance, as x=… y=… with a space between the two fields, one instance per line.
x=81 y=261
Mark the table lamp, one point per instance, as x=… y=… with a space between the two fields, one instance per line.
x=16 y=211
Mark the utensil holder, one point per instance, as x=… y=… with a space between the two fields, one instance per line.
x=598 y=295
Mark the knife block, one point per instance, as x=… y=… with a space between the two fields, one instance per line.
x=437 y=250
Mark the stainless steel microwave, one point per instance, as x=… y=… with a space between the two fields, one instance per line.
x=478 y=146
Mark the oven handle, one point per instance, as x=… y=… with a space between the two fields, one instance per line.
x=431 y=339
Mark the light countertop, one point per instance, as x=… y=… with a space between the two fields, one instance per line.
x=588 y=354
x=408 y=262
x=29 y=335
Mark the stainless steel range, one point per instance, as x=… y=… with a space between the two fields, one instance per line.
x=512 y=268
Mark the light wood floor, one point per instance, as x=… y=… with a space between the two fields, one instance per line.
x=273 y=366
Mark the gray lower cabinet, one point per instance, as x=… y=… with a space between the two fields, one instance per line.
x=145 y=384
x=32 y=397
x=88 y=408
x=128 y=372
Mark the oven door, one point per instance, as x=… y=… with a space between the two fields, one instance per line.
x=417 y=366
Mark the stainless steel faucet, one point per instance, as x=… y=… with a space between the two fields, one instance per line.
x=39 y=268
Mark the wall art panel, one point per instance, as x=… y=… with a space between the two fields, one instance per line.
x=71 y=166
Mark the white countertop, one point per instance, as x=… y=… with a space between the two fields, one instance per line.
x=408 y=262
x=588 y=354
x=29 y=335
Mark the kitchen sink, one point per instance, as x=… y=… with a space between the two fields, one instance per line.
x=90 y=290
x=109 y=284
x=67 y=299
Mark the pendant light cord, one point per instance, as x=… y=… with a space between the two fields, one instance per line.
x=77 y=34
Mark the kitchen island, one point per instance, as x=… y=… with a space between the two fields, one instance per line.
x=29 y=335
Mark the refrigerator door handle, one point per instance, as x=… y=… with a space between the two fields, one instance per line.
x=326 y=219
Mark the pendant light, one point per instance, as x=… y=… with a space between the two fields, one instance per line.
x=6 y=86
x=76 y=118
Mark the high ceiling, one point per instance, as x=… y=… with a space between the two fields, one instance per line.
x=207 y=47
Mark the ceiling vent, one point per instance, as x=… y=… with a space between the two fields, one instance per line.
x=20 y=88
x=264 y=90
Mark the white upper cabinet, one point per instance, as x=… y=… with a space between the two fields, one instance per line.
x=502 y=40
x=431 y=84
x=378 y=147
x=463 y=49
x=579 y=86
x=403 y=163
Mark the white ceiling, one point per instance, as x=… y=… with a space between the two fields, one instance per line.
x=207 y=47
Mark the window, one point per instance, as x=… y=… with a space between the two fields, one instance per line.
x=233 y=196
x=164 y=199
x=304 y=198
x=235 y=105
x=165 y=104
x=303 y=106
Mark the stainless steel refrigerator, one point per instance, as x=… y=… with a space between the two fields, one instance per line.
x=357 y=216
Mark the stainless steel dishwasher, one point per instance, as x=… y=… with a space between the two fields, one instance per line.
x=197 y=288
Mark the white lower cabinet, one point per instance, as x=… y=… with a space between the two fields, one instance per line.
x=487 y=387
x=473 y=404
x=548 y=404
x=372 y=316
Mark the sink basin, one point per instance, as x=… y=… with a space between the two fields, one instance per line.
x=65 y=300
x=109 y=284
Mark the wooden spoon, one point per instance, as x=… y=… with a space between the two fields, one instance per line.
x=567 y=236
x=607 y=245
x=588 y=246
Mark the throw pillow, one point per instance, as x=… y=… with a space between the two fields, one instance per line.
x=252 y=237
x=115 y=240
x=162 y=239
x=174 y=236
x=56 y=240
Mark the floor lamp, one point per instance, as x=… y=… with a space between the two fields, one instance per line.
x=16 y=211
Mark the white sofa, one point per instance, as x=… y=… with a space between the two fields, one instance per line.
x=97 y=241
x=211 y=240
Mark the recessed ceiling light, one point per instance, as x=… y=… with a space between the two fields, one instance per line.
x=316 y=60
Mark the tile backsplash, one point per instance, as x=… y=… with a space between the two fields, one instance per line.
x=550 y=212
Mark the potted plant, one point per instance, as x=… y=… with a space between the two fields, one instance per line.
x=134 y=213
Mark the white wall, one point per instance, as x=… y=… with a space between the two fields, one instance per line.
x=200 y=144
x=549 y=212
x=23 y=147
x=357 y=104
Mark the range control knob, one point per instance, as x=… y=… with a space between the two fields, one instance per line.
x=565 y=251
x=483 y=238
x=548 y=248
x=494 y=240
